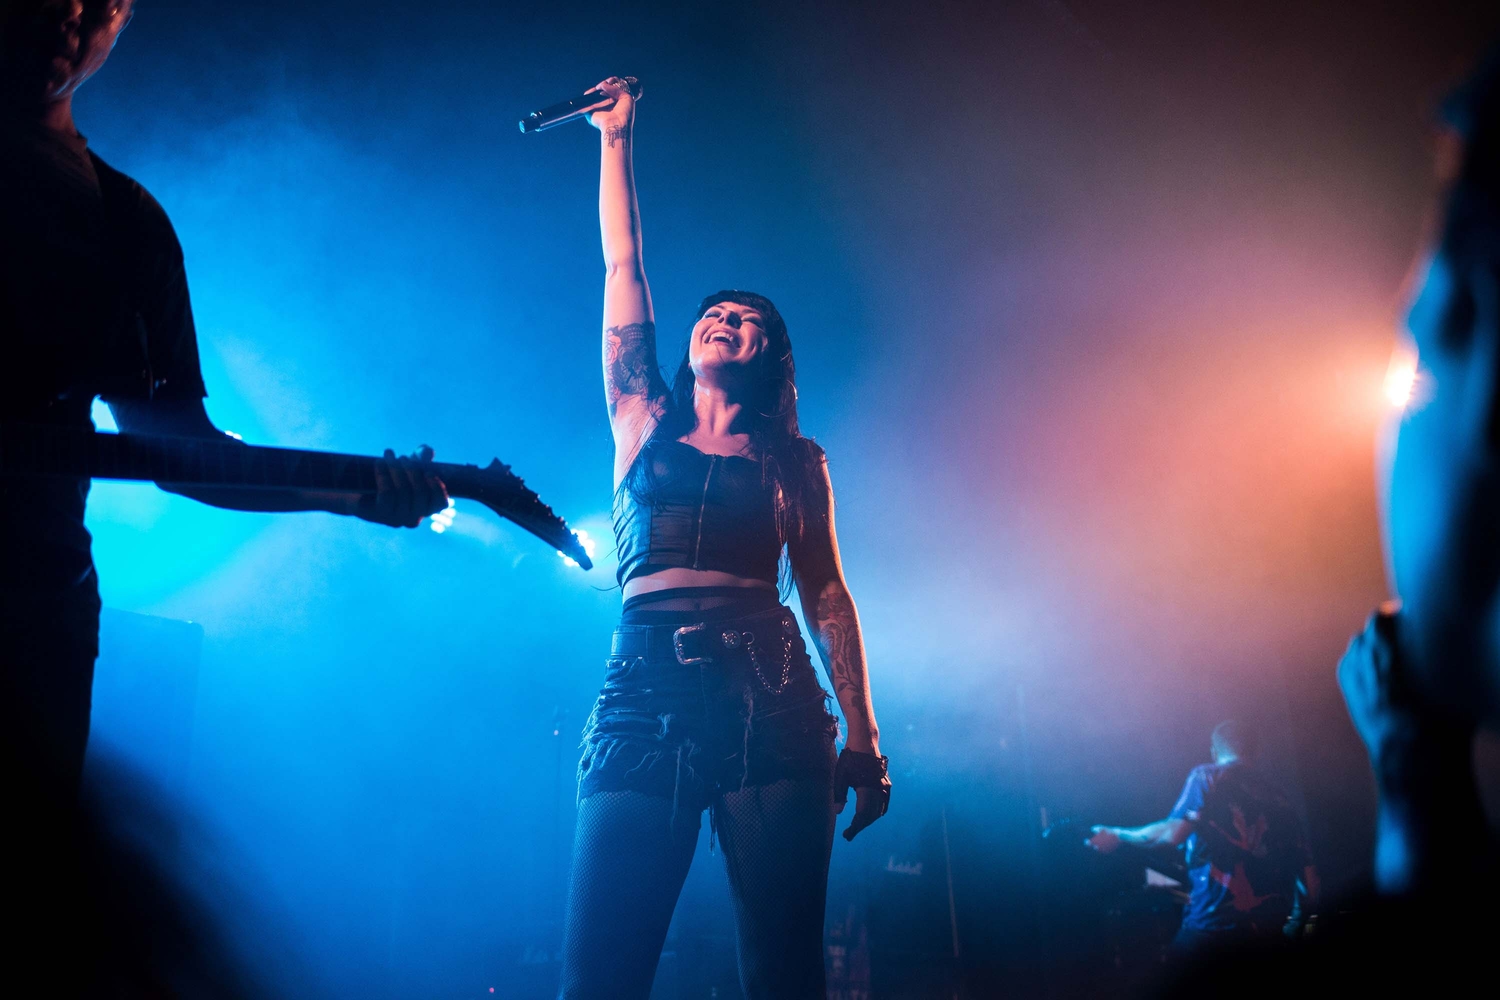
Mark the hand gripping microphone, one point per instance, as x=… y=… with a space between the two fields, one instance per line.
x=558 y=114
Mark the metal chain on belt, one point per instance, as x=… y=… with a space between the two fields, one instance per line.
x=786 y=664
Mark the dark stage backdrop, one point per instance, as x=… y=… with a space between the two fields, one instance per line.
x=1092 y=305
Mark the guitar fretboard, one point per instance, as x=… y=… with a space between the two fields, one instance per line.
x=30 y=450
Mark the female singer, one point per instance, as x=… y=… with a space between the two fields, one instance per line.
x=710 y=700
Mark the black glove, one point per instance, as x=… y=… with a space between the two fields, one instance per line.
x=857 y=769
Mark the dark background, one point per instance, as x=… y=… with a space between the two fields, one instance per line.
x=1092 y=305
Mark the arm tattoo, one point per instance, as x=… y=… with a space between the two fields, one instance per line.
x=836 y=632
x=616 y=133
x=630 y=363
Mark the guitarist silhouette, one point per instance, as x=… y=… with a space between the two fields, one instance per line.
x=95 y=303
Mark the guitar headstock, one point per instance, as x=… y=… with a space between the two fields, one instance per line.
x=505 y=493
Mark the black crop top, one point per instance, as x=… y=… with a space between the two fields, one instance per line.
x=705 y=512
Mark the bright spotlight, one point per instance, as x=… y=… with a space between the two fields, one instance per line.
x=1401 y=380
x=443 y=519
x=588 y=544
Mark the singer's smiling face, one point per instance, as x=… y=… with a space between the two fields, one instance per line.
x=726 y=341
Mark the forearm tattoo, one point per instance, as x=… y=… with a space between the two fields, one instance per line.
x=616 y=133
x=836 y=632
x=630 y=363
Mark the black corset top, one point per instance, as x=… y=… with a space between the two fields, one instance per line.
x=680 y=508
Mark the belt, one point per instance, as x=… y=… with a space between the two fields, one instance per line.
x=705 y=642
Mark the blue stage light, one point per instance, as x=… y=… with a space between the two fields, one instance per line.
x=589 y=546
x=443 y=519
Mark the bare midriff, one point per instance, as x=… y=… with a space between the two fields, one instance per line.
x=671 y=579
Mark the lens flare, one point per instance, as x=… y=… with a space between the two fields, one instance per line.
x=589 y=545
x=443 y=519
x=1401 y=379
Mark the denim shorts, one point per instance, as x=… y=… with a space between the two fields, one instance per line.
x=749 y=713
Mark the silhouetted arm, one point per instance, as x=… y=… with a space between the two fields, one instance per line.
x=406 y=494
x=1430 y=822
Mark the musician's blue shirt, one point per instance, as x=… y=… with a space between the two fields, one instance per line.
x=1246 y=850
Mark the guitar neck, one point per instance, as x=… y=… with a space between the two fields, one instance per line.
x=37 y=450
x=32 y=450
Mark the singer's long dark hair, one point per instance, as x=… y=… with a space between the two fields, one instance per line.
x=790 y=463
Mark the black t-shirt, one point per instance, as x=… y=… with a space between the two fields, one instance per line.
x=93 y=302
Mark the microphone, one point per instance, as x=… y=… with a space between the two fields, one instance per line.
x=566 y=111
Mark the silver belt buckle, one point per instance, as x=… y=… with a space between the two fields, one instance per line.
x=683 y=659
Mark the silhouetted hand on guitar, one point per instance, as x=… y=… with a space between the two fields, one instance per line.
x=407 y=490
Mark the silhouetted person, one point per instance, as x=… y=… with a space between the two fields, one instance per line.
x=1424 y=673
x=93 y=302
x=1246 y=855
x=1419 y=680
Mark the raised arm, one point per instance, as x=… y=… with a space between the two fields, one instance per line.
x=829 y=611
x=633 y=386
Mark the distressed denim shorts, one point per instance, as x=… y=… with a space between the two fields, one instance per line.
x=746 y=709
